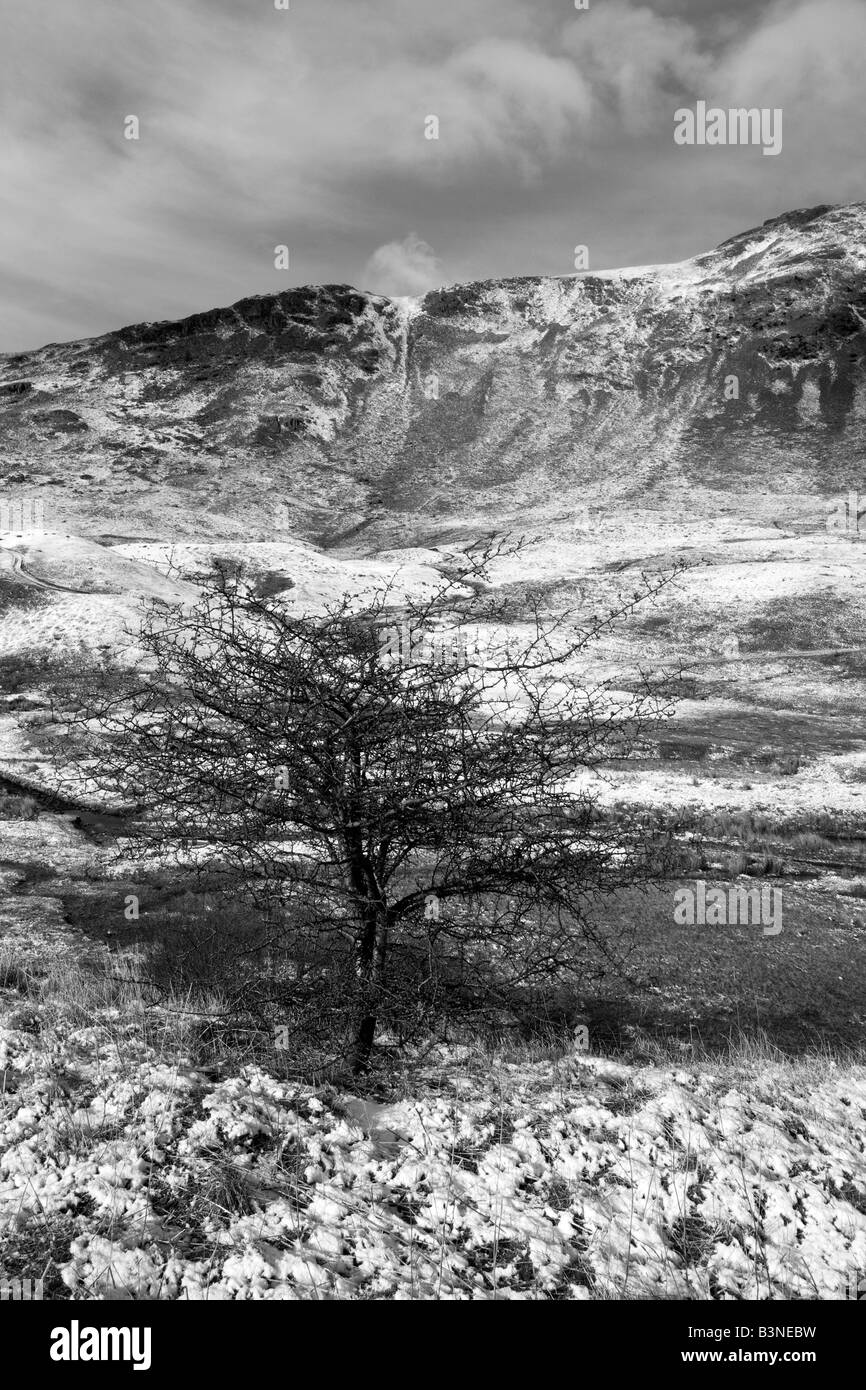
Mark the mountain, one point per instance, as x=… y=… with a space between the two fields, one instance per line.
x=340 y=417
x=710 y=414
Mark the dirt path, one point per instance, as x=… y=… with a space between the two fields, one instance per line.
x=13 y=565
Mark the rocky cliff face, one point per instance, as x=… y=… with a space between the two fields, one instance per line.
x=733 y=381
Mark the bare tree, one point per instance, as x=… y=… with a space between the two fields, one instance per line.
x=364 y=771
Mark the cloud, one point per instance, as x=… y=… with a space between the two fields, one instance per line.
x=635 y=58
x=407 y=267
x=805 y=52
x=306 y=128
x=515 y=102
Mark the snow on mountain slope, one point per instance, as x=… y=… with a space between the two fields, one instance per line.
x=333 y=415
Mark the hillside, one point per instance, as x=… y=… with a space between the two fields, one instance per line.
x=479 y=406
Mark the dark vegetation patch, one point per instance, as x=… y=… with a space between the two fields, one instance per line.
x=705 y=987
x=61 y=421
x=854 y=1196
x=14 y=807
x=505 y=1261
x=37 y=1251
x=453 y=302
x=806 y=622
x=23 y=599
x=692 y=1238
x=15 y=977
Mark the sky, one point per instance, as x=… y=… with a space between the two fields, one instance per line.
x=306 y=127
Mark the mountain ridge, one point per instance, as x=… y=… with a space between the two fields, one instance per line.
x=352 y=414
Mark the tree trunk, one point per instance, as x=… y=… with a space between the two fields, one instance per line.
x=363 y=1046
x=371 y=971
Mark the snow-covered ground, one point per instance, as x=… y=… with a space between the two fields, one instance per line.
x=152 y=1177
